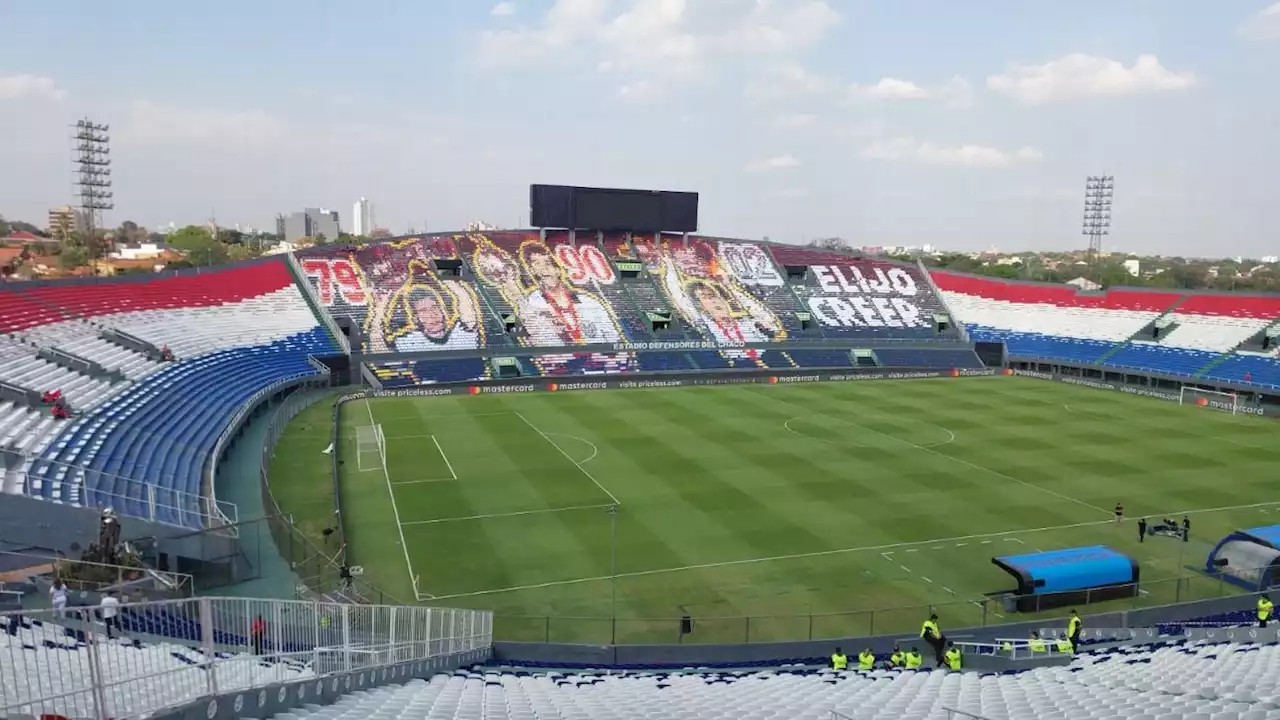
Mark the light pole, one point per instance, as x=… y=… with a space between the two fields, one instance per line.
x=1098 y=190
x=613 y=572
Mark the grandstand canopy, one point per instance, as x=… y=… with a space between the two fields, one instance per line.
x=1248 y=558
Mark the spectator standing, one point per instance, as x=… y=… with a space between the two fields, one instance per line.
x=58 y=596
x=110 y=606
x=256 y=632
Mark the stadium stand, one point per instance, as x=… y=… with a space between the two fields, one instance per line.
x=233 y=332
x=857 y=298
x=1189 y=335
x=1165 y=681
x=167 y=654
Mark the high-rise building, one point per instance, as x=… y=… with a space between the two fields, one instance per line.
x=64 y=220
x=362 y=223
x=311 y=222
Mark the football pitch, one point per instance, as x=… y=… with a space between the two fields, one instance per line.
x=770 y=512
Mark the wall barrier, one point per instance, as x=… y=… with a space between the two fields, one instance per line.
x=161 y=655
x=627 y=382
x=1243 y=406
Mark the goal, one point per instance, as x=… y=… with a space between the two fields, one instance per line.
x=1212 y=399
x=371 y=448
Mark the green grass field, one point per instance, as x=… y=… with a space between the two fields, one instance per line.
x=815 y=510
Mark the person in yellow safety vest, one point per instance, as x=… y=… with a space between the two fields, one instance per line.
x=1264 y=610
x=1036 y=644
x=897 y=658
x=1006 y=646
x=953 y=657
x=932 y=634
x=866 y=660
x=1074 y=625
x=1065 y=647
x=914 y=659
x=838 y=660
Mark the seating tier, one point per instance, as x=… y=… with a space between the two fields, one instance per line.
x=143 y=452
x=138 y=677
x=1164 y=681
x=865 y=298
x=953 y=359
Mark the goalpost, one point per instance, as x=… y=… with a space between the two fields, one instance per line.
x=1212 y=399
x=371 y=448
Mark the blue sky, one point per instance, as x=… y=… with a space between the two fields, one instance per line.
x=964 y=125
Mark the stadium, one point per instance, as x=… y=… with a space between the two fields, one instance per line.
x=631 y=473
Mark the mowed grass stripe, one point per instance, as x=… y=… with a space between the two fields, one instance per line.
x=1149 y=454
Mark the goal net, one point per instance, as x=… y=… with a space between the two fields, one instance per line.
x=371 y=448
x=1211 y=399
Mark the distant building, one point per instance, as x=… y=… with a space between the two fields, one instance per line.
x=362 y=222
x=311 y=222
x=64 y=220
x=1133 y=266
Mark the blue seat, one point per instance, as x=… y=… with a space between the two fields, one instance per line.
x=957 y=358
x=150 y=443
x=1161 y=359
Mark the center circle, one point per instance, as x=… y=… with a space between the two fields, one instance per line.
x=871 y=431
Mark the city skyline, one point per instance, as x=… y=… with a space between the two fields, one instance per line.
x=904 y=123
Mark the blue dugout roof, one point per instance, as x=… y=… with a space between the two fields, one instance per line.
x=1070 y=569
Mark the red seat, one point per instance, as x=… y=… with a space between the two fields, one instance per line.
x=28 y=308
x=1047 y=294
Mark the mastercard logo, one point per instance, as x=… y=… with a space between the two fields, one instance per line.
x=1008 y=371
x=552 y=387
x=955 y=373
x=1202 y=402
x=773 y=380
x=474 y=390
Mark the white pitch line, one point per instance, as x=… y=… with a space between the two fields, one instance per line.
x=446 y=415
x=395 y=509
x=948 y=590
x=904 y=567
x=887 y=556
x=913 y=550
x=837 y=551
x=421 y=482
x=446 y=457
x=585 y=471
x=594 y=450
x=926 y=579
x=952 y=458
x=543 y=511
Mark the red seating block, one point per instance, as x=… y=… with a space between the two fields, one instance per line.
x=1240 y=306
x=1059 y=295
x=54 y=303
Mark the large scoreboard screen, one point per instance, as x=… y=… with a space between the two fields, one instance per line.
x=612 y=209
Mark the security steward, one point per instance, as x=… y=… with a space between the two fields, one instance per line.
x=1065 y=647
x=1264 y=610
x=1074 y=626
x=838 y=660
x=932 y=634
x=898 y=658
x=915 y=660
x=866 y=660
x=1036 y=644
x=953 y=657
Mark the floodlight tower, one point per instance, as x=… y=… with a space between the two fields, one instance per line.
x=93 y=173
x=1098 y=190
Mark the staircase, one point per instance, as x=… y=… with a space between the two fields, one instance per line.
x=1144 y=330
x=309 y=293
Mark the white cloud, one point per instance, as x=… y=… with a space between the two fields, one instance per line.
x=795 y=121
x=1078 y=76
x=787 y=80
x=778 y=162
x=889 y=89
x=663 y=41
x=1265 y=25
x=909 y=149
x=637 y=91
x=503 y=9
x=793 y=194
x=29 y=87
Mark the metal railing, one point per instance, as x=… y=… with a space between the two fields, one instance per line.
x=981 y=611
x=73 y=662
x=92 y=576
x=84 y=487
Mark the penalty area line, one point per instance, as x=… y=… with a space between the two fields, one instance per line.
x=486 y=516
x=834 y=552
